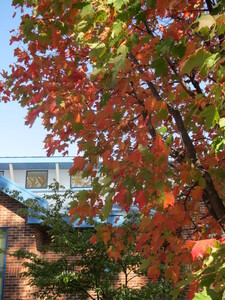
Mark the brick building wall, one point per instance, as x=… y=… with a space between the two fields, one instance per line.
x=22 y=235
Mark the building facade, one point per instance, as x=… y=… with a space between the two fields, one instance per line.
x=29 y=178
x=37 y=173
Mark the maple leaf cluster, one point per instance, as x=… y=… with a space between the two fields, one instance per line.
x=139 y=85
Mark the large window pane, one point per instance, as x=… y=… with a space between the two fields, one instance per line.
x=3 y=235
x=36 y=179
x=78 y=181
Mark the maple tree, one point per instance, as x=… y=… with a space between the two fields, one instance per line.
x=139 y=85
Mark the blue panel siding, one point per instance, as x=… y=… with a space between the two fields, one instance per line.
x=31 y=163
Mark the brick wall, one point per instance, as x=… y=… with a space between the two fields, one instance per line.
x=20 y=235
x=26 y=236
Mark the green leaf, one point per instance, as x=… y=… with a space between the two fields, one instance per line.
x=222 y=122
x=160 y=66
x=206 y=20
x=105 y=99
x=101 y=16
x=162 y=114
x=196 y=59
x=117 y=116
x=162 y=130
x=119 y=62
x=151 y=3
x=164 y=47
x=169 y=140
x=82 y=196
x=209 y=63
x=202 y=296
x=94 y=74
x=27 y=26
x=87 y=11
x=119 y=4
x=97 y=49
x=220 y=25
x=81 y=25
x=77 y=127
x=132 y=40
x=211 y=116
x=96 y=185
x=179 y=50
x=116 y=29
x=106 y=209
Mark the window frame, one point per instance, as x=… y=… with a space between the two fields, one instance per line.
x=79 y=187
x=4 y=266
x=36 y=188
x=1 y=171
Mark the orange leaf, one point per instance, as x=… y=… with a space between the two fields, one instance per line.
x=106 y=235
x=158 y=146
x=77 y=117
x=169 y=199
x=150 y=103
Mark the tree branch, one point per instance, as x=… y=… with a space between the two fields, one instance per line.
x=145 y=114
x=209 y=5
x=210 y=195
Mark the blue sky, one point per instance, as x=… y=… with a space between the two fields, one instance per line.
x=16 y=139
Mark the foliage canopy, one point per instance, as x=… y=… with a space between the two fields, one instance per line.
x=139 y=85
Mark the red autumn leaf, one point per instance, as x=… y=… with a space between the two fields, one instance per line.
x=142 y=240
x=79 y=164
x=153 y=271
x=176 y=191
x=140 y=199
x=222 y=240
x=200 y=247
x=93 y=239
x=135 y=156
x=77 y=75
x=143 y=123
x=121 y=195
x=196 y=193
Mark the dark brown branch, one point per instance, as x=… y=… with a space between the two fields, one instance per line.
x=195 y=82
x=209 y=5
x=179 y=78
x=145 y=114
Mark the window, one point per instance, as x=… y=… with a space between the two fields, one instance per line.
x=78 y=181
x=1 y=172
x=36 y=179
x=3 y=244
